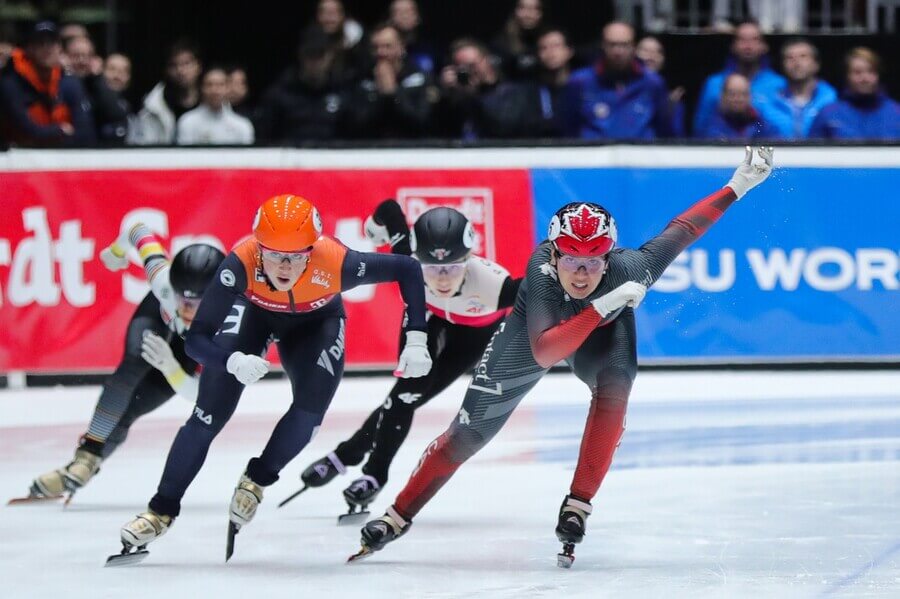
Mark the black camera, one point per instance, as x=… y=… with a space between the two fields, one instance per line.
x=463 y=75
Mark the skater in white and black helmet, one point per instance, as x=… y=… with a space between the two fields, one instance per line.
x=576 y=304
x=154 y=366
x=467 y=297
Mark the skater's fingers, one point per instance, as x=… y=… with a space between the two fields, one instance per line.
x=748 y=155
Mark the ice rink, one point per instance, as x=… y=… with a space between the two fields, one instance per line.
x=725 y=485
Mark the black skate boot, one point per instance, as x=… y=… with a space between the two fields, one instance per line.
x=358 y=496
x=570 y=528
x=318 y=474
x=381 y=531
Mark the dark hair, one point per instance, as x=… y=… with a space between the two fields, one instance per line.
x=468 y=42
x=554 y=29
x=796 y=41
x=182 y=46
x=743 y=22
x=211 y=68
x=381 y=26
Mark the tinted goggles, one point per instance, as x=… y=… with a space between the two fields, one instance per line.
x=592 y=264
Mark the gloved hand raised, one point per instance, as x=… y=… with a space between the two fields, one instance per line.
x=629 y=294
x=246 y=368
x=414 y=359
x=752 y=172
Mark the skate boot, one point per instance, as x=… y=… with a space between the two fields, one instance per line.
x=321 y=472
x=570 y=528
x=358 y=496
x=318 y=474
x=247 y=497
x=69 y=479
x=137 y=534
x=381 y=531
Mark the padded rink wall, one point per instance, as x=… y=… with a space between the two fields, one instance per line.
x=804 y=268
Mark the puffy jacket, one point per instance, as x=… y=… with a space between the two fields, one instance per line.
x=792 y=121
x=730 y=126
x=858 y=117
x=404 y=113
x=32 y=110
x=763 y=85
x=292 y=112
x=599 y=106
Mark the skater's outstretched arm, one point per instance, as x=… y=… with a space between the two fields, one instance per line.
x=655 y=255
x=153 y=256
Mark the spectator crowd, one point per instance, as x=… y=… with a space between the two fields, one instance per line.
x=390 y=82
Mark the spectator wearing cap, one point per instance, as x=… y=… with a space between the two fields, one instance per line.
x=109 y=110
x=516 y=45
x=652 y=54
x=213 y=122
x=395 y=99
x=40 y=105
x=178 y=93
x=792 y=109
x=749 y=57
x=618 y=97
x=406 y=18
x=306 y=103
x=735 y=117
x=864 y=111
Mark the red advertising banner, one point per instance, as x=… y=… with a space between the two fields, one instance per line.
x=61 y=310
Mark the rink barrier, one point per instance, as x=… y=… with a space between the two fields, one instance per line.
x=794 y=273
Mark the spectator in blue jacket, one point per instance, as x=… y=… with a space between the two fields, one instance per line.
x=40 y=105
x=864 y=111
x=749 y=58
x=736 y=118
x=617 y=98
x=791 y=109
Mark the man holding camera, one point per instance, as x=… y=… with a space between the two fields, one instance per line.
x=475 y=102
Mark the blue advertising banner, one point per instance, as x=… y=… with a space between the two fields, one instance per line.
x=804 y=267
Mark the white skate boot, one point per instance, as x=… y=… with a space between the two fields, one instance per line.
x=136 y=534
x=247 y=497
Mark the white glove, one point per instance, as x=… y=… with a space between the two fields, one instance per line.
x=750 y=174
x=245 y=368
x=414 y=359
x=377 y=234
x=629 y=294
x=114 y=257
x=158 y=354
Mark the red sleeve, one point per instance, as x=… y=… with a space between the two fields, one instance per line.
x=560 y=341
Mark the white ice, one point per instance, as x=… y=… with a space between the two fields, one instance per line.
x=725 y=485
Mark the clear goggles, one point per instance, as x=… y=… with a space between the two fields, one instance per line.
x=451 y=270
x=279 y=257
x=592 y=264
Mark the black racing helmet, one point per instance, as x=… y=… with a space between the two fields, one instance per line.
x=442 y=235
x=193 y=268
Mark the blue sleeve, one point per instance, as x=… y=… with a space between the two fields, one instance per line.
x=571 y=117
x=819 y=128
x=365 y=268
x=705 y=106
x=229 y=283
x=14 y=110
x=74 y=96
x=662 y=118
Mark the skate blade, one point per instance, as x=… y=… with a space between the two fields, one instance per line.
x=126 y=559
x=29 y=499
x=233 y=529
x=354 y=518
x=363 y=553
x=291 y=497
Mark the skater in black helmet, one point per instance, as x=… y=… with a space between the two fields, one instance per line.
x=154 y=366
x=467 y=297
x=576 y=304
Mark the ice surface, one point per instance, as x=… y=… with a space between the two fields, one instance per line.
x=725 y=485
